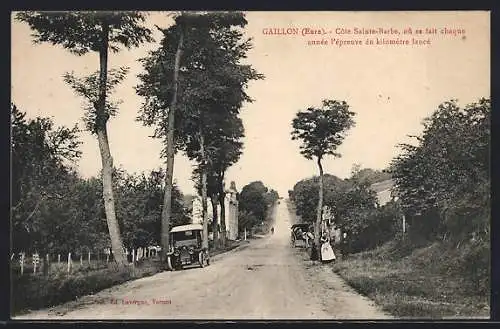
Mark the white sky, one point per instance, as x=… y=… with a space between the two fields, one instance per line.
x=390 y=88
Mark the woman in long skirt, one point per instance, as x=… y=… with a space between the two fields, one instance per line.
x=327 y=254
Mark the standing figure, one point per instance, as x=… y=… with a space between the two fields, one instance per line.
x=309 y=237
x=327 y=254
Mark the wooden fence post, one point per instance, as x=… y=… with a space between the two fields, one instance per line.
x=58 y=258
x=89 y=257
x=36 y=260
x=69 y=263
x=21 y=261
x=81 y=259
x=47 y=262
x=133 y=256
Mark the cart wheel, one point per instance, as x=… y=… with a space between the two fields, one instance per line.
x=201 y=259
x=169 y=264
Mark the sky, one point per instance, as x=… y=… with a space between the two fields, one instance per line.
x=391 y=88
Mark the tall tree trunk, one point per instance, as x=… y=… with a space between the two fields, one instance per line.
x=107 y=160
x=215 y=222
x=317 y=227
x=204 y=189
x=167 y=198
x=222 y=199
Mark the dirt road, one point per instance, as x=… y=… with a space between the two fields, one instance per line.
x=266 y=280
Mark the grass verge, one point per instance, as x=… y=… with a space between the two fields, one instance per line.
x=31 y=292
x=433 y=282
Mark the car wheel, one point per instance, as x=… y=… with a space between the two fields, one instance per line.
x=169 y=263
x=208 y=260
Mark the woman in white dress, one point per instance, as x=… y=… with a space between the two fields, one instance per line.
x=327 y=254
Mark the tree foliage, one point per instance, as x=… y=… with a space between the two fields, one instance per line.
x=208 y=89
x=88 y=88
x=305 y=195
x=255 y=200
x=139 y=204
x=56 y=211
x=80 y=31
x=353 y=207
x=443 y=182
x=212 y=80
x=322 y=130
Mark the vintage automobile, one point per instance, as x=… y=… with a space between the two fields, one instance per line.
x=186 y=247
x=298 y=232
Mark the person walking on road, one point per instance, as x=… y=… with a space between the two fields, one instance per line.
x=272 y=230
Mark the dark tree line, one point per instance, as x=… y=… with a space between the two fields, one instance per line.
x=255 y=202
x=54 y=210
x=442 y=186
x=353 y=207
x=444 y=178
x=193 y=88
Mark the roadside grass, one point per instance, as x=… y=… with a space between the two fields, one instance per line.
x=432 y=282
x=32 y=292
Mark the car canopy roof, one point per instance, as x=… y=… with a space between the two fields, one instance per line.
x=189 y=227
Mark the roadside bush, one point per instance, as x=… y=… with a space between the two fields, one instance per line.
x=38 y=291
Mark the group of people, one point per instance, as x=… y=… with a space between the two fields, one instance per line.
x=326 y=253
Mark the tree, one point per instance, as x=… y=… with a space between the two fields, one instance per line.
x=140 y=200
x=443 y=181
x=321 y=131
x=39 y=154
x=81 y=33
x=212 y=193
x=41 y=180
x=223 y=149
x=253 y=199
x=210 y=80
x=306 y=199
x=254 y=203
x=352 y=206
